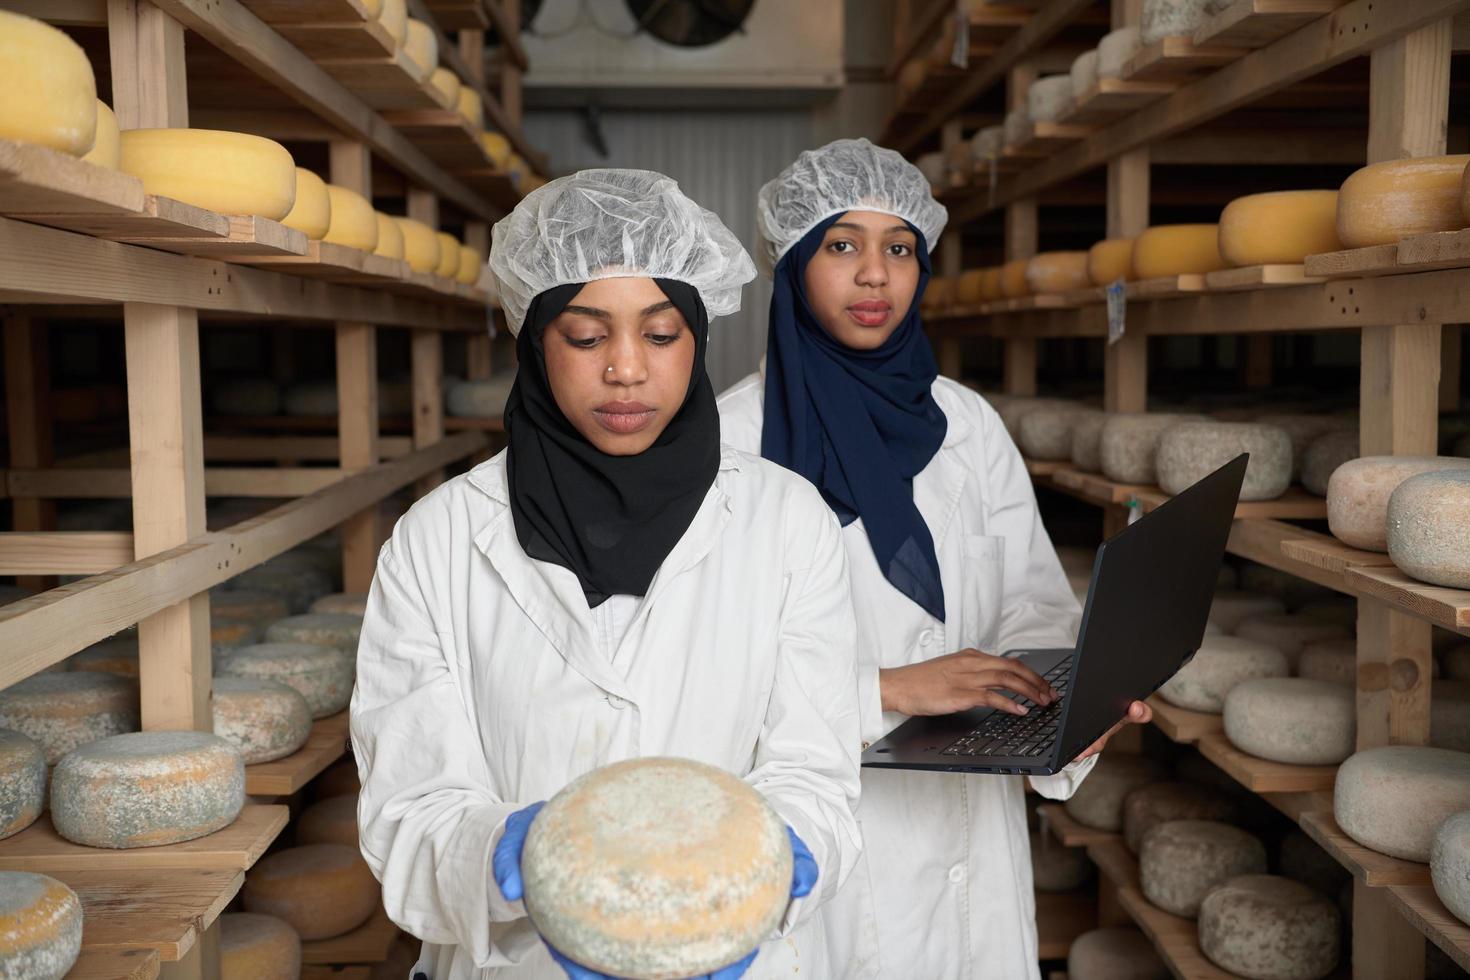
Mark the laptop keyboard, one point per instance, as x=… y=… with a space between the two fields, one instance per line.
x=1016 y=736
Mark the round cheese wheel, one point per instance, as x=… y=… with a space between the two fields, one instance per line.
x=1114 y=954
x=1289 y=632
x=1329 y=660
x=1057 y=272
x=1449 y=864
x=1302 y=430
x=118 y=655
x=226 y=633
x=107 y=148
x=351 y=603
x=63 y=711
x=1293 y=720
x=1358 y=493
x=232 y=173
x=1267 y=926
x=1182 y=860
x=990 y=284
x=470 y=264
x=934 y=169
x=988 y=142
x=1013 y=410
x=50 y=91
x=147 y=788
x=1278 y=227
x=1372 y=787
x=1048 y=98
x=322 y=675
x=910 y=77
x=1190 y=451
x=968 y=287
x=1110 y=260
x=1449 y=715
x=1177 y=250
x=394 y=17
x=1129 y=444
x=40 y=917
x=1084 y=74
x=1086 y=449
x=497 y=148
x=1055 y=868
x=339 y=780
x=1219 y=665
x=312 y=213
x=1149 y=806
x=322 y=890
x=247 y=396
x=22 y=782
x=1116 y=49
x=422 y=46
x=1013 y=279
x=1429 y=528
x=354 y=222
x=1385 y=202
x=420 y=245
x=258 y=947
x=447 y=84
x=1098 y=802
x=1322 y=458
x=1171 y=18
x=656 y=867
x=257 y=607
x=263 y=719
x=390 y=237
x=1231 y=608
x=940 y=292
x=1046 y=433
x=480 y=399
x=337 y=630
x=469 y=105
x=332 y=820
x=1017 y=125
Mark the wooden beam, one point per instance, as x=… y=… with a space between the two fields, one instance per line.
x=1125 y=361
x=910 y=30
x=505 y=15
x=426 y=355
x=64 y=552
x=247 y=448
x=1387 y=945
x=28 y=424
x=77 y=483
x=147 y=51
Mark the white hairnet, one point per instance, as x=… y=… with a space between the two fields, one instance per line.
x=606 y=224
x=845 y=175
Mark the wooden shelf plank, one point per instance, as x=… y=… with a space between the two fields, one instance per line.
x=115 y=964
x=459 y=15
x=1422 y=907
x=1252 y=24
x=495 y=185
x=1262 y=775
x=1331 y=555
x=1449 y=608
x=324 y=41
x=246 y=236
x=443 y=134
x=1164 y=287
x=1182 y=725
x=1097 y=488
x=1061 y=918
x=1367 y=865
x=368 y=943
x=1175 y=59
x=235 y=848
x=1265 y=541
x=165 y=911
x=1295 y=504
x=1071 y=833
x=1354 y=263
x=384 y=83
x=316 y=971
x=1046 y=467
x=1115 y=861
x=1043 y=138
x=38 y=180
x=1440 y=250
x=1258 y=277
x=1176 y=938
x=307 y=11
x=325 y=745
x=1112 y=98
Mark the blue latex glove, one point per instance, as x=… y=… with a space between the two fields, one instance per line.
x=506 y=865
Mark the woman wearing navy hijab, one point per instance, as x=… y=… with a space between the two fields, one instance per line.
x=949 y=561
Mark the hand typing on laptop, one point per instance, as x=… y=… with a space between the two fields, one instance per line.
x=961 y=681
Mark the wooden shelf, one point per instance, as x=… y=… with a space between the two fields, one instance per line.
x=1252 y=24
x=1262 y=775
x=1069 y=831
x=1176 y=59
x=1367 y=865
x=325 y=745
x=1096 y=488
x=235 y=848
x=445 y=135
x=457 y=423
x=1060 y=918
x=1182 y=725
x=1164 y=287
x=165 y=911
x=316 y=971
x=1331 y=555
x=1112 y=98
x=368 y=943
x=1446 y=608
x=1422 y=907
x=115 y=964
x=1043 y=138
x=1258 y=277
x=1293 y=505
x=1422 y=253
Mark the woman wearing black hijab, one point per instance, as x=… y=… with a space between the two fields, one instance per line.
x=613 y=585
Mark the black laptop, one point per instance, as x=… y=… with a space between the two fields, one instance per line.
x=1145 y=615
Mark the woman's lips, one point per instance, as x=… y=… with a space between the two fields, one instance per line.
x=870 y=313
x=623 y=417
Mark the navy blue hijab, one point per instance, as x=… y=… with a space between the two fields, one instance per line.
x=858 y=424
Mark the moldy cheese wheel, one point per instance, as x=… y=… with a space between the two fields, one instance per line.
x=322 y=890
x=232 y=173
x=1057 y=272
x=1110 y=260
x=1280 y=227
x=40 y=926
x=354 y=222
x=1389 y=201
x=22 y=782
x=312 y=213
x=258 y=947
x=1177 y=250
x=50 y=91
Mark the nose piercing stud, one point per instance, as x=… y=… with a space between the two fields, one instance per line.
x=609 y=369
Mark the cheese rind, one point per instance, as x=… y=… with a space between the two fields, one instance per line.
x=339 y=631
x=1385 y=202
x=1449 y=864
x=422 y=46
x=1114 y=954
x=1177 y=250
x=354 y=223
x=1190 y=451
x=1372 y=786
x=447 y=84
x=1013 y=279
x=1115 y=49
x=258 y=947
x=332 y=820
x=1084 y=73
x=1289 y=632
x=1149 y=806
x=351 y=603
x=22 y=782
x=1181 y=861
x=1221 y=663
x=390 y=237
x=1057 y=272
x=1110 y=260
x=1267 y=926
x=1358 y=493
x=321 y=890
x=1278 y=227
x=394 y=18
x=1098 y=802
x=147 y=788
x=40 y=927
x=470 y=264
x=469 y=105
x=262 y=718
x=1429 y=528
x=1048 y=98
x=312 y=213
x=1293 y=720
x=497 y=148
x=1046 y=433
x=1171 y=18
x=420 y=244
x=232 y=173
x=1129 y=444
x=258 y=607
x=64 y=711
x=322 y=675
x=117 y=655
x=107 y=148
x=1325 y=454
x=50 y=91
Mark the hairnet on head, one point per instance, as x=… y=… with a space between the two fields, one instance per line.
x=845 y=175
x=606 y=224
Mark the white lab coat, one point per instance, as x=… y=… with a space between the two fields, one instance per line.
x=943 y=889
x=482 y=687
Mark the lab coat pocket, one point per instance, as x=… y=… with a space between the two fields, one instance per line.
x=983 y=580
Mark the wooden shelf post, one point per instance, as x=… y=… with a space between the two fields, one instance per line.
x=1019 y=365
x=479 y=351
x=951 y=264
x=427 y=359
x=28 y=421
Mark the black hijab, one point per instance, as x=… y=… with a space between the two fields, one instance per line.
x=611 y=520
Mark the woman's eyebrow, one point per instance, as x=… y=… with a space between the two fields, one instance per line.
x=856 y=227
x=588 y=311
x=657 y=308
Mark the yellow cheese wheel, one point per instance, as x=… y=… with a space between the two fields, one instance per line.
x=232 y=173
x=41 y=919
x=322 y=890
x=1283 y=226
x=390 y=237
x=374 y=7
x=394 y=17
x=1110 y=260
x=497 y=148
x=448 y=263
x=354 y=222
x=1177 y=250
x=258 y=947
x=470 y=263
x=1057 y=272
x=1396 y=199
x=329 y=821
x=420 y=244
x=50 y=93
x=911 y=77
x=422 y=46
x=940 y=293
x=447 y=84
x=471 y=107
x=990 y=285
x=968 y=288
x=106 y=148
x=1013 y=279
x=312 y=213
